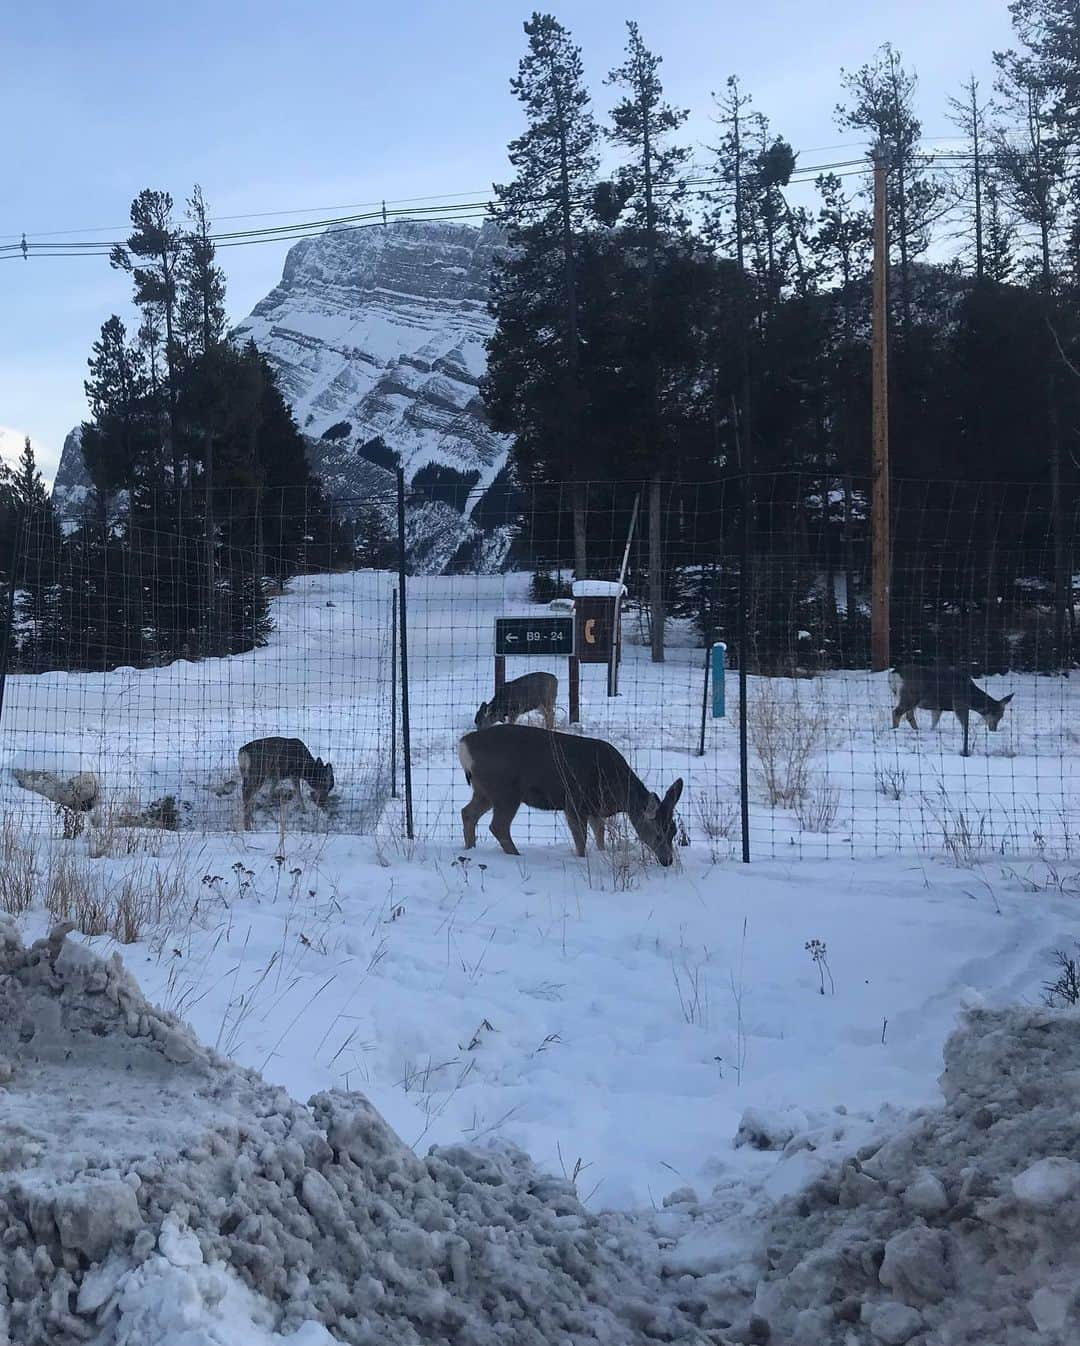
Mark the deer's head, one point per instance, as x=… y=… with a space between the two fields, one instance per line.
x=322 y=781
x=993 y=716
x=655 y=825
x=487 y=715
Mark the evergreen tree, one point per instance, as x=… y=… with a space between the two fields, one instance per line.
x=8 y=523
x=1000 y=236
x=201 y=315
x=37 y=604
x=1050 y=31
x=153 y=255
x=968 y=115
x=640 y=122
x=1033 y=159
x=544 y=208
x=31 y=493
x=201 y=284
x=119 y=441
x=374 y=545
x=881 y=103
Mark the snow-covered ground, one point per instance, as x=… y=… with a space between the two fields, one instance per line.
x=627 y=1026
x=847 y=783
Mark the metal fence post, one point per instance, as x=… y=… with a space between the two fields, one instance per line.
x=9 y=616
x=393 y=696
x=744 y=658
x=403 y=627
x=704 y=699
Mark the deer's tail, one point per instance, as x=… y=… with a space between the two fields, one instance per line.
x=465 y=758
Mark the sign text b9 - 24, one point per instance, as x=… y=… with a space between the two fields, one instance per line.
x=534 y=636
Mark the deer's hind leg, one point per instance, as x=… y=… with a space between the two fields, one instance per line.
x=579 y=831
x=962 y=716
x=597 y=825
x=471 y=814
x=504 y=814
x=248 y=787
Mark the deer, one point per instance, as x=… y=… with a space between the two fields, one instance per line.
x=587 y=779
x=937 y=689
x=280 y=759
x=532 y=691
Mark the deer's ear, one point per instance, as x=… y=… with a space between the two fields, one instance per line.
x=673 y=796
x=1006 y=699
x=318 y=761
x=652 y=807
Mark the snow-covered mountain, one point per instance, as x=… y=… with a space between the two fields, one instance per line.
x=378 y=334
x=72 y=486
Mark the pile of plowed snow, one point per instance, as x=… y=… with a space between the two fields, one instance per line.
x=960 y=1229
x=153 y=1193
x=149 y=1187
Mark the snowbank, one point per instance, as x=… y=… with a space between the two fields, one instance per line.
x=153 y=1192
x=961 y=1229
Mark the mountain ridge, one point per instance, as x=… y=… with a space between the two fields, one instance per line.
x=377 y=336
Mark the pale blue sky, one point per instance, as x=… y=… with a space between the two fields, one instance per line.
x=274 y=106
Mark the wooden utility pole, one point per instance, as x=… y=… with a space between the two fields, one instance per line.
x=879 y=503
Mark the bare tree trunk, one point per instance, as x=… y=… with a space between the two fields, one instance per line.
x=656 y=568
x=578 y=504
x=831 y=613
x=990 y=562
x=208 y=533
x=851 y=598
x=1062 y=583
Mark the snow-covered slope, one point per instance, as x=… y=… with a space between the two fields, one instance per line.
x=380 y=332
x=72 y=486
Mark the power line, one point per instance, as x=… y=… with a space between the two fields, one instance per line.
x=449 y=207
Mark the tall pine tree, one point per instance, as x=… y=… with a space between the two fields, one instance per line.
x=544 y=207
x=640 y=123
x=881 y=103
x=153 y=254
x=37 y=605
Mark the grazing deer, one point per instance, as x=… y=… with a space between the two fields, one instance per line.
x=532 y=691
x=585 y=778
x=938 y=689
x=280 y=759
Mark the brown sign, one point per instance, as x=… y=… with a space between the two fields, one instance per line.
x=595 y=620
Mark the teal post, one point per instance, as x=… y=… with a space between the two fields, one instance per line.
x=719 y=650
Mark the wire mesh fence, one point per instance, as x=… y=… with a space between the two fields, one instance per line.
x=129 y=691
x=145 y=660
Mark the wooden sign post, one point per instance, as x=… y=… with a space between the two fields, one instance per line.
x=597 y=619
x=536 y=637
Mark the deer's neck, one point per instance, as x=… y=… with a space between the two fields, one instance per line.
x=637 y=796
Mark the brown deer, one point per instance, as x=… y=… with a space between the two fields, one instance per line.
x=937 y=689
x=585 y=778
x=532 y=691
x=280 y=759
